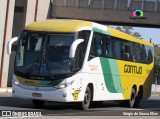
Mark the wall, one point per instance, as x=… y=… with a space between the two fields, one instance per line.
x=3 y=7
x=24 y=15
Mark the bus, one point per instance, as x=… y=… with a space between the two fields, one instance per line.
x=82 y=62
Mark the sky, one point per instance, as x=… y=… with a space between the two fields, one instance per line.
x=147 y=33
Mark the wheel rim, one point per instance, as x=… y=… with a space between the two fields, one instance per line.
x=132 y=100
x=86 y=98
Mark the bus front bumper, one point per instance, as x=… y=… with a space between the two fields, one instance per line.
x=59 y=95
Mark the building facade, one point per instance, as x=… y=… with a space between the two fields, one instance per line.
x=15 y=15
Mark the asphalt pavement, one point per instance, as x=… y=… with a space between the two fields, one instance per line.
x=19 y=107
x=149 y=108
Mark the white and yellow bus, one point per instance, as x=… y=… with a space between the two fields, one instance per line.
x=82 y=62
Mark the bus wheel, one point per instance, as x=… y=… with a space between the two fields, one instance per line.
x=132 y=99
x=138 y=98
x=131 y=102
x=87 y=99
x=38 y=103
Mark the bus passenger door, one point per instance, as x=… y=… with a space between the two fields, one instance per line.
x=96 y=52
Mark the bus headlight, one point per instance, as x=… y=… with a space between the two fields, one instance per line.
x=15 y=81
x=64 y=85
x=60 y=86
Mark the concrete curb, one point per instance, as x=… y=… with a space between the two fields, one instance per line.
x=5 y=90
x=155 y=93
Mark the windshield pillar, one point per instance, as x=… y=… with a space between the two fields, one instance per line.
x=78 y=60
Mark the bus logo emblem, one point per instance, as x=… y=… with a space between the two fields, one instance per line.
x=75 y=94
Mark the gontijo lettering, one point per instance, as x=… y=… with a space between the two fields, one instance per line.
x=132 y=69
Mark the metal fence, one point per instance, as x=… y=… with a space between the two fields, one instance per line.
x=145 y=5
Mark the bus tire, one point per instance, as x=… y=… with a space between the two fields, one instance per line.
x=132 y=100
x=38 y=103
x=139 y=98
x=84 y=105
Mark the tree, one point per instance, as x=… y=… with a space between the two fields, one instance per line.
x=157 y=60
x=119 y=28
x=157 y=45
x=137 y=35
x=129 y=30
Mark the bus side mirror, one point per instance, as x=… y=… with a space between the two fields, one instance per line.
x=9 y=45
x=74 y=47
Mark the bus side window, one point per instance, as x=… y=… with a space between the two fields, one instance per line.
x=136 y=52
x=96 y=49
x=118 y=49
x=144 y=54
x=150 y=54
x=108 y=47
x=127 y=51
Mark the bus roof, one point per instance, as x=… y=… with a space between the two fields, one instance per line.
x=58 y=25
x=66 y=25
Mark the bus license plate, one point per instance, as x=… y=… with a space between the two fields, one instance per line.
x=36 y=94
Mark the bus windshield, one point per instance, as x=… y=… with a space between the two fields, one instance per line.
x=43 y=54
